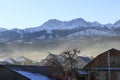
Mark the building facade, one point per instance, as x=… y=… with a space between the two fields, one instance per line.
x=105 y=66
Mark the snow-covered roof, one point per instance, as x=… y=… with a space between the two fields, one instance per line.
x=32 y=76
x=82 y=72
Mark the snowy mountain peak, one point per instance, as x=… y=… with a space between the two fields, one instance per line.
x=10 y=60
x=51 y=24
x=55 y=24
x=95 y=24
x=117 y=24
x=53 y=21
x=19 y=61
x=18 y=30
x=21 y=58
x=78 y=20
x=2 y=29
x=109 y=25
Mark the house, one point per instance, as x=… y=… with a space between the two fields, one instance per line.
x=105 y=66
x=8 y=74
x=81 y=61
x=44 y=61
x=57 y=71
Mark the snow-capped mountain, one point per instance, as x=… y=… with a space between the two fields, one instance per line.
x=21 y=58
x=10 y=61
x=24 y=61
x=2 y=29
x=110 y=26
x=54 y=24
x=56 y=29
x=117 y=24
x=96 y=24
x=19 y=61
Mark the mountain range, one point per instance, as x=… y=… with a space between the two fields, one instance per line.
x=58 y=35
x=56 y=29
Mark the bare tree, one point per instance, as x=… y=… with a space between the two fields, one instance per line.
x=67 y=65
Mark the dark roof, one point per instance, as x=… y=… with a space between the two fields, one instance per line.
x=102 y=56
x=103 y=69
x=8 y=74
x=43 y=70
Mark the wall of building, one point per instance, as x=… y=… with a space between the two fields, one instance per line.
x=103 y=75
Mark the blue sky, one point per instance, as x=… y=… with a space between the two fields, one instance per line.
x=32 y=13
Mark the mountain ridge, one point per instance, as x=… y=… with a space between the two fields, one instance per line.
x=69 y=21
x=54 y=28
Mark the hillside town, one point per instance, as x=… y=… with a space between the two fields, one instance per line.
x=65 y=66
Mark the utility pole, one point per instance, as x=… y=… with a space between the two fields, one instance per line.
x=109 y=72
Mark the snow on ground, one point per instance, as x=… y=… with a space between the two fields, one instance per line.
x=32 y=76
